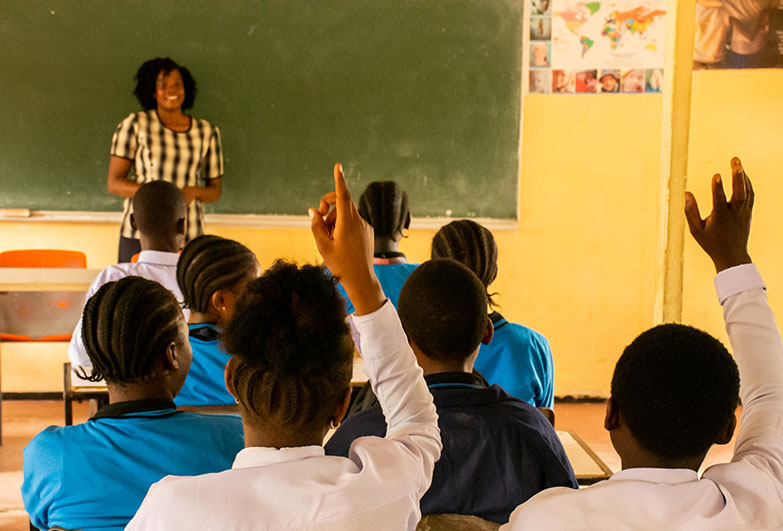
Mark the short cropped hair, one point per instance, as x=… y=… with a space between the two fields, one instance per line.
x=443 y=309
x=384 y=205
x=293 y=348
x=209 y=263
x=470 y=244
x=147 y=77
x=157 y=208
x=126 y=325
x=676 y=388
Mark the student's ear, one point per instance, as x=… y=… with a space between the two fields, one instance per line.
x=220 y=302
x=407 y=224
x=133 y=223
x=342 y=408
x=725 y=435
x=489 y=332
x=612 y=419
x=172 y=359
x=228 y=375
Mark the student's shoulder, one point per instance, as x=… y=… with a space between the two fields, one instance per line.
x=52 y=442
x=553 y=508
x=112 y=273
x=521 y=333
x=369 y=422
x=171 y=492
x=216 y=420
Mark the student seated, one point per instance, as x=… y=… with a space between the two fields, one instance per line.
x=159 y=215
x=497 y=450
x=674 y=394
x=212 y=272
x=384 y=205
x=290 y=371
x=518 y=358
x=94 y=475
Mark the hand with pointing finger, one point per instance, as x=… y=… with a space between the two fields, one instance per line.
x=724 y=233
x=345 y=241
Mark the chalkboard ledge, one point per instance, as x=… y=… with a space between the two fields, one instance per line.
x=257 y=221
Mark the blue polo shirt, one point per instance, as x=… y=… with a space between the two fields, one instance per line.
x=94 y=476
x=519 y=360
x=205 y=384
x=392 y=273
x=498 y=451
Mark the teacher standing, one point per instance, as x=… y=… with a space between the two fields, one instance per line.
x=162 y=143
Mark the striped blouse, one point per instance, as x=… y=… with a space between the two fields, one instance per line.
x=188 y=158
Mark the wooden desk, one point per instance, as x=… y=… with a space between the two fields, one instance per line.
x=13 y=279
x=46 y=279
x=588 y=467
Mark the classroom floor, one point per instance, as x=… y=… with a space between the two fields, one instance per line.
x=23 y=419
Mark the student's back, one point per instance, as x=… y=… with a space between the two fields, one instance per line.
x=159 y=215
x=94 y=475
x=212 y=272
x=384 y=205
x=497 y=450
x=518 y=358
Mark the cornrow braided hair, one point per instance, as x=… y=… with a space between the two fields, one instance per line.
x=384 y=205
x=471 y=244
x=126 y=325
x=293 y=346
x=209 y=263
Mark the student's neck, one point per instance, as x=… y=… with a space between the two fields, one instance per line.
x=127 y=392
x=154 y=243
x=655 y=461
x=385 y=244
x=430 y=366
x=274 y=437
x=202 y=318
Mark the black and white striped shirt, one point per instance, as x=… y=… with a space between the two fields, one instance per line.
x=188 y=158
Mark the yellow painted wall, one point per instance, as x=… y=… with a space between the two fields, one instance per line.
x=581 y=266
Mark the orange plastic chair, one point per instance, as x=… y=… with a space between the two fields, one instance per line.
x=42 y=258
x=135 y=258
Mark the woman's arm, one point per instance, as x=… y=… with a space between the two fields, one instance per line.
x=206 y=194
x=117 y=182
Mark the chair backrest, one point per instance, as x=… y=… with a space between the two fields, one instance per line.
x=43 y=258
x=455 y=522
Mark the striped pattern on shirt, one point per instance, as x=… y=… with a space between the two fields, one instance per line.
x=188 y=158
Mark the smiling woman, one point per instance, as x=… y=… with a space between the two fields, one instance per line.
x=163 y=143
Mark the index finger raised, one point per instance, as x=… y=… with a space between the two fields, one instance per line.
x=340 y=188
x=738 y=188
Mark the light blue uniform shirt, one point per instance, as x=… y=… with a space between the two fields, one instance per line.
x=519 y=360
x=391 y=277
x=205 y=384
x=94 y=476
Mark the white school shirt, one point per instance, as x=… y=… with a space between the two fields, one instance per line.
x=153 y=265
x=377 y=488
x=744 y=494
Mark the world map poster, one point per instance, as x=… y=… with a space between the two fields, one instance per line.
x=597 y=46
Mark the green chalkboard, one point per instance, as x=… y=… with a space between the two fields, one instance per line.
x=426 y=92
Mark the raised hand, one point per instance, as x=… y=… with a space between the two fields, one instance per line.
x=724 y=233
x=345 y=242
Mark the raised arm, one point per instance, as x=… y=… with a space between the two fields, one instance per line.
x=751 y=326
x=345 y=242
